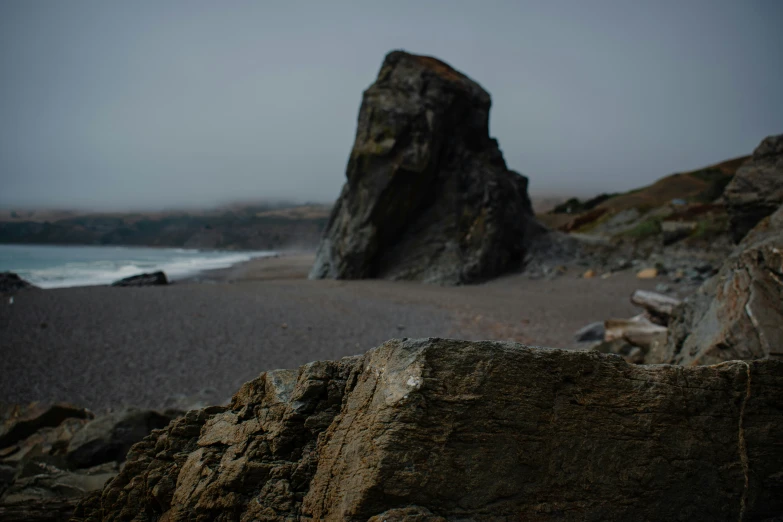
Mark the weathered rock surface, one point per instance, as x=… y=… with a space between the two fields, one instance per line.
x=52 y=455
x=435 y=429
x=108 y=438
x=738 y=314
x=19 y=421
x=10 y=283
x=757 y=188
x=150 y=279
x=428 y=195
x=42 y=510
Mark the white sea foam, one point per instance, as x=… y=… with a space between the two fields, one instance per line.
x=59 y=267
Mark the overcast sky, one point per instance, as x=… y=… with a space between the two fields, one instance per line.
x=161 y=103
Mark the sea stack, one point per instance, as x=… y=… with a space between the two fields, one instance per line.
x=428 y=196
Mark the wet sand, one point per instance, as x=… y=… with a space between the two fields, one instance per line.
x=104 y=347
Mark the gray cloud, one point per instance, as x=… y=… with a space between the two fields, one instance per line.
x=147 y=104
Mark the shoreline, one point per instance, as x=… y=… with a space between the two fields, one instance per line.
x=103 y=346
x=282 y=265
x=53 y=270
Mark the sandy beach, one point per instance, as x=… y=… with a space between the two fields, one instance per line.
x=104 y=347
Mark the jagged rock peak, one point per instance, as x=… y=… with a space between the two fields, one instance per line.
x=428 y=195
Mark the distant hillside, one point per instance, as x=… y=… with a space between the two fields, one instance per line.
x=681 y=206
x=697 y=186
x=246 y=227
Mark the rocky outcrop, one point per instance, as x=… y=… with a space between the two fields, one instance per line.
x=19 y=421
x=51 y=455
x=10 y=283
x=108 y=438
x=428 y=195
x=738 y=314
x=433 y=430
x=150 y=279
x=757 y=189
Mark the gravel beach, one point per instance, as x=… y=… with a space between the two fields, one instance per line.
x=103 y=347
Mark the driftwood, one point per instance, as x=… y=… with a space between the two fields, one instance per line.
x=659 y=306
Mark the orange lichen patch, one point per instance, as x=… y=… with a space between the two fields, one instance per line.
x=443 y=70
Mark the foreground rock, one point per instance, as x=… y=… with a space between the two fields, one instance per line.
x=434 y=429
x=738 y=314
x=10 y=283
x=19 y=421
x=150 y=279
x=757 y=189
x=51 y=455
x=108 y=438
x=428 y=195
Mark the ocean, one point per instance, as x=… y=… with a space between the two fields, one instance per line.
x=50 y=266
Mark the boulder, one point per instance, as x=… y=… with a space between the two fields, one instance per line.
x=756 y=190
x=590 y=333
x=44 y=444
x=149 y=279
x=428 y=195
x=10 y=283
x=439 y=429
x=108 y=438
x=50 y=482
x=54 y=454
x=19 y=421
x=51 y=494
x=737 y=314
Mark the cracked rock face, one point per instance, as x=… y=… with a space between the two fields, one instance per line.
x=428 y=195
x=434 y=430
x=738 y=314
x=757 y=189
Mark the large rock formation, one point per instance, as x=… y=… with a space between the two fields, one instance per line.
x=757 y=189
x=738 y=314
x=434 y=430
x=428 y=195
